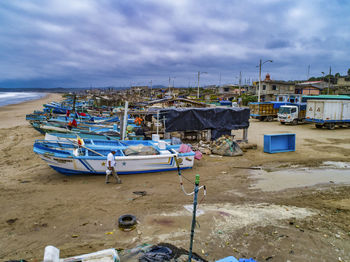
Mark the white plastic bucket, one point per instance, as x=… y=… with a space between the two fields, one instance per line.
x=155 y=137
x=52 y=254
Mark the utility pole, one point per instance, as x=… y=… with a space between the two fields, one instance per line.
x=199 y=73
x=169 y=85
x=308 y=73
x=240 y=82
x=329 y=79
x=151 y=89
x=260 y=64
x=259 y=81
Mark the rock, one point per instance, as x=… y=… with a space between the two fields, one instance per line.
x=11 y=221
x=246 y=146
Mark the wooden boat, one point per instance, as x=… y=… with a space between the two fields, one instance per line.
x=57 y=127
x=99 y=136
x=142 y=156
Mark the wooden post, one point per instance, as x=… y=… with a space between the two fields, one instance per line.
x=125 y=120
x=245 y=135
x=121 y=121
x=208 y=135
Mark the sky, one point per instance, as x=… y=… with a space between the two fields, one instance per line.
x=96 y=43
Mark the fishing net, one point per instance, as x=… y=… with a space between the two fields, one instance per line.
x=226 y=147
x=140 y=150
x=157 y=253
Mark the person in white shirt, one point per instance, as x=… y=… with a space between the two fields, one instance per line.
x=111 y=168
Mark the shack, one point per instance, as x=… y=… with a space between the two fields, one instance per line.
x=217 y=121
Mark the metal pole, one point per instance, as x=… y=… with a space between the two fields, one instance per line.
x=329 y=79
x=240 y=82
x=198 y=85
x=74 y=100
x=193 y=216
x=169 y=85
x=157 y=122
x=259 y=81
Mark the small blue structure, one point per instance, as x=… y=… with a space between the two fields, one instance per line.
x=233 y=259
x=228 y=259
x=277 y=143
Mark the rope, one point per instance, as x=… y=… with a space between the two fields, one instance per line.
x=181 y=182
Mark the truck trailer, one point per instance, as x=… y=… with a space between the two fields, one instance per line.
x=328 y=113
x=266 y=111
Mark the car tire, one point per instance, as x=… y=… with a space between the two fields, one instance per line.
x=127 y=221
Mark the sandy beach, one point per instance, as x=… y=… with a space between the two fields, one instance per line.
x=241 y=215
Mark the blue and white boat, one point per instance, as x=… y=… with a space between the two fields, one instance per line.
x=56 y=108
x=144 y=156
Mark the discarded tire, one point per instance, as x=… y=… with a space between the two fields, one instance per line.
x=127 y=221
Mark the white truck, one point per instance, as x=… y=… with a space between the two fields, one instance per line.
x=328 y=113
x=292 y=114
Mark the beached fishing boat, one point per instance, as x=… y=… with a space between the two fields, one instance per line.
x=99 y=136
x=145 y=156
x=56 y=108
x=47 y=127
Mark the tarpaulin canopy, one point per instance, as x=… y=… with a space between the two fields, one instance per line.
x=219 y=120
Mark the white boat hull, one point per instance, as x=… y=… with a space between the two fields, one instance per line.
x=124 y=164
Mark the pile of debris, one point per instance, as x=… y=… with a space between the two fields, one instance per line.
x=224 y=146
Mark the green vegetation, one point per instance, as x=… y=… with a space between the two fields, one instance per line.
x=248 y=98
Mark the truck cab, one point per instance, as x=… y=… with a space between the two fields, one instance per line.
x=288 y=114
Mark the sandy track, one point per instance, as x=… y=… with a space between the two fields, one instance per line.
x=41 y=207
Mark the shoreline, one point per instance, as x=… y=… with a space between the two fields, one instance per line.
x=27 y=99
x=14 y=114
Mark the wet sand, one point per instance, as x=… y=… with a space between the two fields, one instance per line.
x=79 y=214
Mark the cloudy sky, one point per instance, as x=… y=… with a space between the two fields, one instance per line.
x=83 y=43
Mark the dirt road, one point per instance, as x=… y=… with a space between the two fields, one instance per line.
x=79 y=214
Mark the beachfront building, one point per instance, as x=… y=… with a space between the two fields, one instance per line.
x=231 y=90
x=140 y=90
x=270 y=89
x=309 y=88
x=343 y=85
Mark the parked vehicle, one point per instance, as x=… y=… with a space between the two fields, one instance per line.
x=328 y=113
x=265 y=111
x=292 y=114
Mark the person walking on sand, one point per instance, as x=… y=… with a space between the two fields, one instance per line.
x=111 y=168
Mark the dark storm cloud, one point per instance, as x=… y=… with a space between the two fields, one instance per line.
x=105 y=42
x=280 y=43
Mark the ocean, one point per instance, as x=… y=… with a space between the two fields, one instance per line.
x=9 y=98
